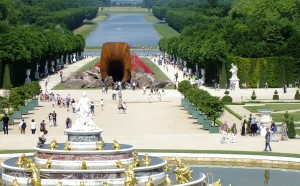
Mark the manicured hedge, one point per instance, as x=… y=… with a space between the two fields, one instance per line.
x=276 y=71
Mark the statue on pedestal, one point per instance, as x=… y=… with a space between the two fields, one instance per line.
x=28 y=80
x=234 y=80
x=234 y=70
x=37 y=74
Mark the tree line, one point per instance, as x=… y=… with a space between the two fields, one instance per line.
x=36 y=31
x=214 y=30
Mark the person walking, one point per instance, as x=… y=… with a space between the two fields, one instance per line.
x=223 y=132
x=5 y=122
x=120 y=106
x=244 y=125
x=102 y=104
x=273 y=129
x=42 y=126
x=68 y=123
x=73 y=103
x=92 y=108
x=33 y=126
x=268 y=137
x=20 y=126
x=233 y=133
x=50 y=118
x=54 y=116
x=284 y=131
x=124 y=106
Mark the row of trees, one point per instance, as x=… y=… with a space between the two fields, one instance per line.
x=212 y=106
x=34 y=31
x=212 y=31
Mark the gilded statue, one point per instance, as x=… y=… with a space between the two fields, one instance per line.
x=130 y=179
x=149 y=182
x=59 y=183
x=167 y=168
x=81 y=183
x=120 y=165
x=167 y=181
x=22 y=160
x=105 y=183
x=47 y=165
x=217 y=183
x=15 y=182
x=146 y=160
x=67 y=146
x=53 y=145
x=116 y=145
x=36 y=176
x=83 y=166
x=99 y=145
x=136 y=159
x=182 y=172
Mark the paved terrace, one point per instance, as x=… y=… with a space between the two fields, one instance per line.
x=156 y=125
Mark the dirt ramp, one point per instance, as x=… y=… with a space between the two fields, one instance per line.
x=115 y=61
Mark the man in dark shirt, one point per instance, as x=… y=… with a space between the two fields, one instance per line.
x=5 y=121
x=268 y=137
x=54 y=118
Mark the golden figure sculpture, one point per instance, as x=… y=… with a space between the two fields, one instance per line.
x=29 y=161
x=105 y=183
x=22 y=160
x=149 y=182
x=167 y=181
x=146 y=160
x=130 y=180
x=59 y=183
x=83 y=166
x=182 y=172
x=36 y=176
x=116 y=145
x=217 y=183
x=136 y=159
x=167 y=168
x=53 y=145
x=67 y=146
x=81 y=183
x=120 y=165
x=15 y=182
x=47 y=165
x=99 y=145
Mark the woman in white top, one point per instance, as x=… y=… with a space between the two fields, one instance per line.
x=33 y=126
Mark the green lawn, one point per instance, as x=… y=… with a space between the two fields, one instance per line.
x=151 y=18
x=274 y=107
x=158 y=74
x=117 y=10
x=86 y=29
x=279 y=117
x=165 y=31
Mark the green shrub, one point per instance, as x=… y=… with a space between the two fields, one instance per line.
x=184 y=87
x=291 y=129
x=227 y=99
x=297 y=95
x=233 y=113
x=226 y=92
x=253 y=96
x=275 y=96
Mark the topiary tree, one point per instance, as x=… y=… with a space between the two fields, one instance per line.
x=297 y=95
x=223 y=77
x=6 y=79
x=275 y=96
x=227 y=98
x=184 y=87
x=253 y=96
x=291 y=129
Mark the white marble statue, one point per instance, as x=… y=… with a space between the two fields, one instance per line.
x=84 y=117
x=234 y=70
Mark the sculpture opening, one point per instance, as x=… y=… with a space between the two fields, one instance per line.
x=115 y=61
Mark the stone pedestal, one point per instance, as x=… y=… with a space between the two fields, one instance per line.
x=235 y=82
x=37 y=75
x=265 y=121
x=27 y=80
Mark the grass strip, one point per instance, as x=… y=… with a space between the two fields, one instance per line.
x=117 y=10
x=158 y=74
x=86 y=29
x=276 y=154
x=232 y=112
x=274 y=107
x=165 y=31
x=279 y=117
x=151 y=18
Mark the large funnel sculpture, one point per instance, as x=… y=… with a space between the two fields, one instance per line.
x=115 y=61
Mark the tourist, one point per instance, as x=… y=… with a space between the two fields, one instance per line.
x=253 y=127
x=120 y=94
x=54 y=116
x=102 y=104
x=42 y=137
x=223 y=132
x=5 y=122
x=120 y=106
x=33 y=126
x=103 y=90
x=144 y=90
x=92 y=108
x=284 y=131
x=50 y=118
x=133 y=86
x=114 y=94
x=73 y=104
x=233 y=133
x=267 y=137
x=124 y=106
x=244 y=125
x=266 y=85
x=42 y=126
x=150 y=98
x=106 y=89
x=68 y=123
x=273 y=129
x=22 y=126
